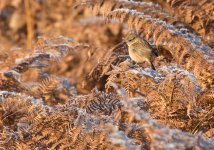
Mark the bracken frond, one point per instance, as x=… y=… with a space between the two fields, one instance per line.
x=194 y=13
x=85 y=92
x=110 y=58
x=103 y=103
x=48 y=87
x=183 y=49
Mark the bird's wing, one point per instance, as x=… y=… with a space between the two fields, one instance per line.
x=150 y=47
x=138 y=48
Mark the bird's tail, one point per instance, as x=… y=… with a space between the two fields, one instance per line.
x=153 y=67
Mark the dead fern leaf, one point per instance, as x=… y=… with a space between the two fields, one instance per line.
x=182 y=48
x=103 y=103
x=47 y=88
x=110 y=58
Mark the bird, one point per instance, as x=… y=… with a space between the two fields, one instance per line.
x=139 y=49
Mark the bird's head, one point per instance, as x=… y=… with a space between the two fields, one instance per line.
x=130 y=38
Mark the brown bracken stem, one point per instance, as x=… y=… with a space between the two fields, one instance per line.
x=29 y=23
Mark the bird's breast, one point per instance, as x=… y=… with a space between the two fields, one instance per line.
x=139 y=55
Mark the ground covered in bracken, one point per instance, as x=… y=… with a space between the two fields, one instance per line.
x=67 y=82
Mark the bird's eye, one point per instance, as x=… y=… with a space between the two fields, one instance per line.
x=131 y=39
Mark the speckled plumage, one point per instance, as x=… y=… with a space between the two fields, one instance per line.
x=139 y=49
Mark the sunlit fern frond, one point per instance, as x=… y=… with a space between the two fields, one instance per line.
x=153 y=9
x=183 y=48
x=193 y=16
x=105 y=6
x=48 y=85
x=47 y=88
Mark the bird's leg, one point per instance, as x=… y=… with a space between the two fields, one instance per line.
x=153 y=67
x=145 y=65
